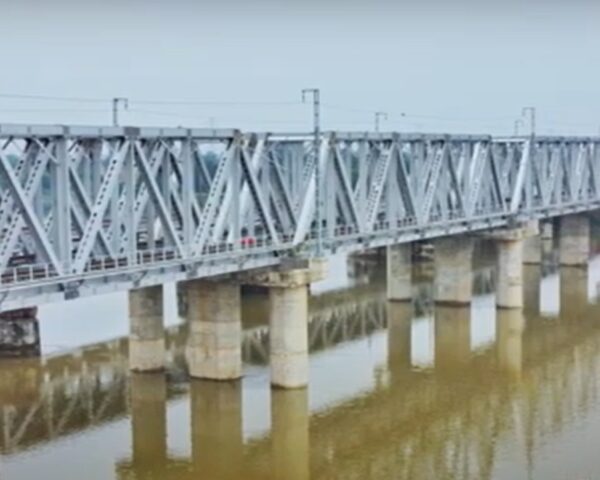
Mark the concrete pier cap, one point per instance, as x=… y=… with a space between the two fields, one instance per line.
x=288 y=318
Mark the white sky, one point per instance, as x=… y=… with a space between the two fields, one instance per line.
x=451 y=66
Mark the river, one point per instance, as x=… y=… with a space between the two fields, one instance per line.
x=404 y=391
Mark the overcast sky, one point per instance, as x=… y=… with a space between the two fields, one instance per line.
x=448 y=66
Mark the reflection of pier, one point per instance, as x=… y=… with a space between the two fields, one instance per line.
x=71 y=392
x=446 y=422
x=530 y=382
x=427 y=424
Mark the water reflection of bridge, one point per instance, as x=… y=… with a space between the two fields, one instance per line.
x=67 y=393
x=75 y=392
x=445 y=422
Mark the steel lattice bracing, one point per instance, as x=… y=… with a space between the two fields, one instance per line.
x=86 y=209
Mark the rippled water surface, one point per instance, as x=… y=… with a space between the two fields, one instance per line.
x=403 y=391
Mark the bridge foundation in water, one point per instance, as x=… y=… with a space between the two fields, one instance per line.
x=146 y=338
x=19 y=333
x=215 y=336
x=399 y=272
x=509 y=287
x=532 y=244
x=288 y=331
x=574 y=240
x=288 y=320
x=453 y=282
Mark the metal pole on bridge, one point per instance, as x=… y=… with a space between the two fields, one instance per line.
x=316 y=94
x=518 y=123
x=115 y=108
x=378 y=116
x=532 y=112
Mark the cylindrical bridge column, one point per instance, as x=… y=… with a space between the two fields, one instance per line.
x=399 y=272
x=288 y=318
x=288 y=333
x=147 y=336
x=509 y=289
x=214 y=344
x=574 y=240
x=453 y=282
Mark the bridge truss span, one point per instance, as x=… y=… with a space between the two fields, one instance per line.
x=89 y=209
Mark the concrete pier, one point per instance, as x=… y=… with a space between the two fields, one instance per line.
x=509 y=287
x=509 y=340
x=532 y=243
x=288 y=320
x=19 y=334
x=217 y=440
x=453 y=273
x=146 y=337
x=289 y=434
x=574 y=240
x=532 y=279
x=215 y=335
x=399 y=272
x=452 y=336
x=148 y=395
x=288 y=330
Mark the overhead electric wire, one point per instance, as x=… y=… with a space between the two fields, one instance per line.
x=396 y=118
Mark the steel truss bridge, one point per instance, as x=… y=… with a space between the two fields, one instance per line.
x=86 y=210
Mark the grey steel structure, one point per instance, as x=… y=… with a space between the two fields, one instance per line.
x=86 y=210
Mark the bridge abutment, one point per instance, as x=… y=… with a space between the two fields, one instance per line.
x=399 y=272
x=147 y=336
x=215 y=335
x=574 y=240
x=453 y=273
